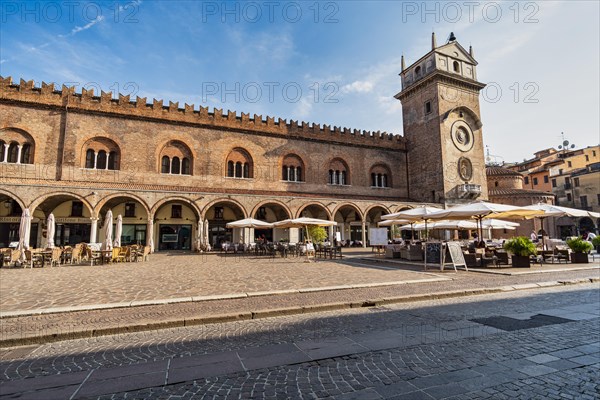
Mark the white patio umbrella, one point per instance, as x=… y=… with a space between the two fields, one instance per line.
x=108 y=231
x=493 y=223
x=551 y=210
x=442 y=225
x=414 y=214
x=249 y=223
x=118 y=231
x=391 y=222
x=302 y=222
x=481 y=209
x=51 y=228
x=24 y=231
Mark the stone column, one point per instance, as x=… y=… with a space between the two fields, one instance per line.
x=331 y=234
x=95 y=159
x=19 y=154
x=93 y=230
x=364 y=234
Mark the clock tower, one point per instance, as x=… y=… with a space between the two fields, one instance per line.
x=442 y=125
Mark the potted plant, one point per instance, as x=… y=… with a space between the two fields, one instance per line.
x=520 y=248
x=580 y=249
x=596 y=243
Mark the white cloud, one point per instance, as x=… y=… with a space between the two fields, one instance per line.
x=358 y=87
x=87 y=26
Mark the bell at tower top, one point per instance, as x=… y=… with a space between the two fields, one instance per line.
x=450 y=60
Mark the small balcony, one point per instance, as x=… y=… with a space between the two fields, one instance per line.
x=468 y=191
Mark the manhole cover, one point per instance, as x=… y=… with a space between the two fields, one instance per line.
x=512 y=324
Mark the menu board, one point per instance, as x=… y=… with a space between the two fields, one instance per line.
x=456 y=254
x=433 y=253
x=378 y=236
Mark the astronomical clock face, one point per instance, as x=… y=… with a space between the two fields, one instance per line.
x=462 y=136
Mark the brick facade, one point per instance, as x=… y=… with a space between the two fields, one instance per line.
x=110 y=153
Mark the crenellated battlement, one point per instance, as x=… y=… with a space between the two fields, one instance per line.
x=47 y=94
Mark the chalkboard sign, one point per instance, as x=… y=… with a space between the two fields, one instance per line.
x=433 y=253
x=456 y=254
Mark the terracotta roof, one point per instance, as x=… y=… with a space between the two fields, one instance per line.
x=518 y=192
x=500 y=171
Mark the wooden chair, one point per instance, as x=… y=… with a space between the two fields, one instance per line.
x=124 y=254
x=15 y=257
x=143 y=255
x=93 y=256
x=56 y=256
x=76 y=254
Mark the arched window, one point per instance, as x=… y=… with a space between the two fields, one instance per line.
x=185 y=166
x=380 y=176
x=338 y=172
x=101 y=153
x=175 y=166
x=112 y=160
x=26 y=154
x=2 y=147
x=292 y=168
x=101 y=163
x=418 y=71
x=89 y=158
x=176 y=159
x=239 y=164
x=13 y=153
x=456 y=66
x=166 y=165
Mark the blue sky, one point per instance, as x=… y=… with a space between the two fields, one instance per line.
x=334 y=63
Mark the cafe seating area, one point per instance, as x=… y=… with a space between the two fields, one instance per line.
x=283 y=249
x=80 y=254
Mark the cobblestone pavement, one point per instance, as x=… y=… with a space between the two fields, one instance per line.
x=181 y=275
x=428 y=349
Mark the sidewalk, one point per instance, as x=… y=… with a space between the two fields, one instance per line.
x=40 y=325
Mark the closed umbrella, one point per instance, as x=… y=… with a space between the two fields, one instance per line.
x=118 y=231
x=108 y=231
x=199 y=235
x=50 y=231
x=24 y=231
x=150 y=235
x=206 y=240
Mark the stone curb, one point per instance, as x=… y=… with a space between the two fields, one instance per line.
x=158 y=302
x=266 y=313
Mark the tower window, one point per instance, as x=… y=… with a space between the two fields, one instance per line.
x=418 y=71
x=427 y=107
x=456 y=66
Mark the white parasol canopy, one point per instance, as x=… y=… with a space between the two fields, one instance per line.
x=24 y=231
x=391 y=222
x=50 y=230
x=118 y=231
x=481 y=209
x=249 y=223
x=442 y=225
x=414 y=214
x=493 y=223
x=108 y=231
x=301 y=222
x=558 y=211
x=199 y=235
